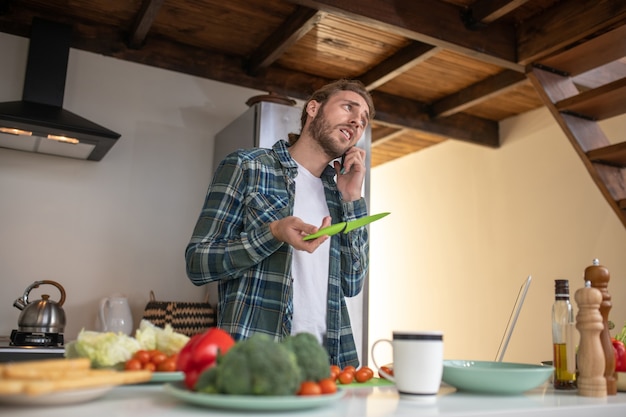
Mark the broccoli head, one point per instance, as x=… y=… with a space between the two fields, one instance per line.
x=254 y=366
x=312 y=358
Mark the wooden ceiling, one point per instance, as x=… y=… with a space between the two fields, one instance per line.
x=437 y=69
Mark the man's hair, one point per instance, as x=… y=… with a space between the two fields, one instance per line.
x=323 y=94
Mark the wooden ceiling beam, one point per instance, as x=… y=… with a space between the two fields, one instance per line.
x=401 y=112
x=301 y=21
x=440 y=26
x=477 y=93
x=143 y=22
x=380 y=132
x=398 y=63
x=483 y=12
x=564 y=24
x=393 y=134
x=390 y=110
x=165 y=54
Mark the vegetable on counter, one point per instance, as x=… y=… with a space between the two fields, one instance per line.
x=260 y=366
x=254 y=366
x=619 y=346
x=152 y=360
x=298 y=365
x=164 y=339
x=104 y=349
x=201 y=352
x=312 y=359
x=620 y=355
x=109 y=349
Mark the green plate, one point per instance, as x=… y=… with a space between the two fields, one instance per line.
x=345 y=227
x=167 y=377
x=494 y=377
x=252 y=402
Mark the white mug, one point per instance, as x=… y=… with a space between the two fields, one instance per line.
x=417 y=362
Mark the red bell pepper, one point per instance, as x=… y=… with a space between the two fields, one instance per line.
x=201 y=352
x=620 y=355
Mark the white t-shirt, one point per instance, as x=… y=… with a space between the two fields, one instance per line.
x=310 y=270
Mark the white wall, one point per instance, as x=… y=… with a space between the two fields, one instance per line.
x=469 y=223
x=121 y=224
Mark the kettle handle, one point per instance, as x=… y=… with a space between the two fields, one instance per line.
x=36 y=284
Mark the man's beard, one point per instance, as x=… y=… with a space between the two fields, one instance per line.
x=321 y=131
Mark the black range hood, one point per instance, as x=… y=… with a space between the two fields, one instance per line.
x=39 y=123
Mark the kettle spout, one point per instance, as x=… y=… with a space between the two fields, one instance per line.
x=19 y=303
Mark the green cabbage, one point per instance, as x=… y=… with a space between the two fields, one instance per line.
x=104 y=349
x=165 y=340
x=109 y=349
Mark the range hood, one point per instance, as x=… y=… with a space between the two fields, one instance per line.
x=39 y=123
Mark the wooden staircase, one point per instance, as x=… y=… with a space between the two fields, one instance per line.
x=582 y=86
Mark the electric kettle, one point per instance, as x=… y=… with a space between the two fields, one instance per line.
x=41 y=316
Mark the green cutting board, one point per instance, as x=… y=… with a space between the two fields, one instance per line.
x=374 y=382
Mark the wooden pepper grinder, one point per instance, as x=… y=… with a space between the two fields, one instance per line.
x=599 y=277
x=591 y=380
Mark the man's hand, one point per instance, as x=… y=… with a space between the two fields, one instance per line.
x=350 y=183
x=292 y=229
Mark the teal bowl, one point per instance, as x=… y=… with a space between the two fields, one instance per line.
x=494 y=377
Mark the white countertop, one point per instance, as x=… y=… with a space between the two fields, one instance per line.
x=153 y=401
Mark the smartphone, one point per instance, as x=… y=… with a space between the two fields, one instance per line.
x=343 y=158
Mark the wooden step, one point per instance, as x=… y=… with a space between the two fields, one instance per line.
x=591 y=54
x=599 y=103
x=614 y=155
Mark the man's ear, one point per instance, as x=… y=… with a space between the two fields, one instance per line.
x=312 y=107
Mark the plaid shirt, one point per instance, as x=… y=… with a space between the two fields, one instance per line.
x=232 y=244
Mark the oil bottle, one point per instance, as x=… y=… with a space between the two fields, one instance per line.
x=563 y=331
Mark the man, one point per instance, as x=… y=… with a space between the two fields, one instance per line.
x=260 y=205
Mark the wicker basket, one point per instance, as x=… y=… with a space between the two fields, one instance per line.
x=188 y=318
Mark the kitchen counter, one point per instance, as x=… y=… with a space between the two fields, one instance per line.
x=153 y=401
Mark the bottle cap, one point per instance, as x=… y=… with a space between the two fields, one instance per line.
x=561 y=289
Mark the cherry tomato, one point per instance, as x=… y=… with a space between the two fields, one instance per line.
x=149 y=366
x=328 y=386
x=334 y=372
x=349 y=368
x=158 y=357
x=386 y=369
x=309 y=388
x=132 y=365
x=363 y=374
x=346 y=377
x=142 y=356
x=368 y=370
x=168 y=365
